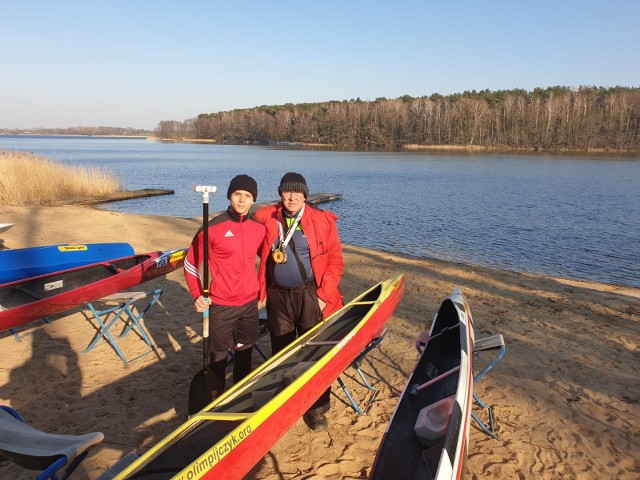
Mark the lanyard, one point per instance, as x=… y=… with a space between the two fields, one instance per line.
x=285 y=241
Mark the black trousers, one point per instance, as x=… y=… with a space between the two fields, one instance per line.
x=292 y=312
x=232 y=327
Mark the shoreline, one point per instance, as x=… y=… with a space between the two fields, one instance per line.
x=630 y=290
x=566 y=395
x=412 y=148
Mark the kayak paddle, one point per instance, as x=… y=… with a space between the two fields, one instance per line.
x=204 y=384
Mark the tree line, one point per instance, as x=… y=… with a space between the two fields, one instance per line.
x=554 y=118
x=90 y=131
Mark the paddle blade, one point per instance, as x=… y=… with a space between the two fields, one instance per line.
x=204 y=388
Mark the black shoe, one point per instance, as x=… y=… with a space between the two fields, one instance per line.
x=316 y=421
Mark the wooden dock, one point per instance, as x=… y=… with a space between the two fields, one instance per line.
x=317 y=198
x=117 y=196
x=313 y=199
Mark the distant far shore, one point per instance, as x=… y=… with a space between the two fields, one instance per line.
x=408 y=147
x=26 y=134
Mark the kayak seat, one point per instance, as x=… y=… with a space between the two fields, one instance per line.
x=106 y=311
x=34 y=449
x=114 y=268
x=496 y=345
x=260 y=398
x=356 y=366
x=296 y=371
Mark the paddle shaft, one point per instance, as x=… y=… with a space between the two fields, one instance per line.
x=205 y=272
x=205 y=284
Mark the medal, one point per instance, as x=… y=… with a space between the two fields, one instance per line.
x=279 y=256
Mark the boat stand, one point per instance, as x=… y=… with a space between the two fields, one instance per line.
x=493 y=343
x=356 y=366
x=121 y=305
x=19 y=336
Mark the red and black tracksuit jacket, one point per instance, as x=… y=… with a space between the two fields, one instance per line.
x=234 y=242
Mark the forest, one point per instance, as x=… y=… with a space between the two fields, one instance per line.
x=551 y=119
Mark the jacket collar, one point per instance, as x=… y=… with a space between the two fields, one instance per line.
x=236 y=217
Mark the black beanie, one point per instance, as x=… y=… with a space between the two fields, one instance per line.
x=243 y=182
x=293 y=182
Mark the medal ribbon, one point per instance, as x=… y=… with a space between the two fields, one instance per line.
x=285 y=241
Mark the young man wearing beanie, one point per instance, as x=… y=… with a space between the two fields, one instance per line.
x=300 y=270
x=235 y=239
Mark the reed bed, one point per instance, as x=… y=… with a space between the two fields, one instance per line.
x=28 y=179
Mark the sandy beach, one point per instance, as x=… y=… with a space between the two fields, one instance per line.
x=566 y=395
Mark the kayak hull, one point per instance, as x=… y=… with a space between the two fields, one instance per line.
x=232 y=434
x=428 y=434
x=33 y=298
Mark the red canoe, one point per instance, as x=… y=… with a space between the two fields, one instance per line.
x=30 y=299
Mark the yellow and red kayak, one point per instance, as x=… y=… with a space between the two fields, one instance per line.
x=233 y=433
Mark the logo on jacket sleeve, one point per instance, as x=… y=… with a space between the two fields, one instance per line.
x=229 y=234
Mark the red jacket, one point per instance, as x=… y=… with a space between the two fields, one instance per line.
x=234 y=242
x=319 y=226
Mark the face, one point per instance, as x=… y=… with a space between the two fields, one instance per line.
x=292 y=201
x=241 y=201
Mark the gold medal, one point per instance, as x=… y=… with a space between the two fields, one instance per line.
x=279 y=256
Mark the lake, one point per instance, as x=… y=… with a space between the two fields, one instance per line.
x=563 y=215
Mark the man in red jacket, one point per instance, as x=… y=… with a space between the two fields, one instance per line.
x=235 y=238
x=300 y=270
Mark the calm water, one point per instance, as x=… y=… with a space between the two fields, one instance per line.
x=569 y=216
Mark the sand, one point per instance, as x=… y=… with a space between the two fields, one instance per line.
x=566 y=395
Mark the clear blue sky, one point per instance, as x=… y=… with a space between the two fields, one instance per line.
x=134 y=63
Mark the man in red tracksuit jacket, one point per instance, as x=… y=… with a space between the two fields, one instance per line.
x=300 y=270
x=235 y=239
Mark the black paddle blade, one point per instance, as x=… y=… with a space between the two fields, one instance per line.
x=204 y=388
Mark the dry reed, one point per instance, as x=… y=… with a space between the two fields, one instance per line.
x=28 y=179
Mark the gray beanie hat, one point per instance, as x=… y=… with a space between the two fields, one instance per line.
x=293 y=182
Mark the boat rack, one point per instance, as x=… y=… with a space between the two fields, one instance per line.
x=493 y=343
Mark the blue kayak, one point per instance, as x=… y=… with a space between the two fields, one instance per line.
x=20 y=263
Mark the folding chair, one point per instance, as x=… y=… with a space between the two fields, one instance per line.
x=121 y=305
x=34 y=449
x=356 y=365
x=493 y=343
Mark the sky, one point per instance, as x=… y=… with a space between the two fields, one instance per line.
x=136 y=63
